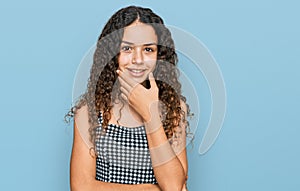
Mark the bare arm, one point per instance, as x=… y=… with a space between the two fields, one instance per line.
x=171 y=174
x=83 y=165
x=169 y=165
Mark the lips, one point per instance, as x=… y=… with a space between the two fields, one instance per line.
x=136 y=72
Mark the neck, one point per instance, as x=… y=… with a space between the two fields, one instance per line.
x=125 y=115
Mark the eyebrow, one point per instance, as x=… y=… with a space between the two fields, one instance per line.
x=147 y=44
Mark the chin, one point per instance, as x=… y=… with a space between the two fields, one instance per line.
x=141 y=79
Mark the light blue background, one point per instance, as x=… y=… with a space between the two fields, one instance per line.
x=255 y=43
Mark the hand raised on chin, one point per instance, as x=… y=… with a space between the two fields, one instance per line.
x=143 y=100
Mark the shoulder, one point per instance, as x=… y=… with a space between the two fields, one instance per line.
x=81 y=112
x=81 y=124
x=81 y=116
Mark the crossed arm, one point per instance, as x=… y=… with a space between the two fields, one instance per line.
x=83 y=171
x=170 y=171
x=83 y=166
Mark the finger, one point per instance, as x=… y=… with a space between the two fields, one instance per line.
x=124 y=84
x=124 y=91
x=127 y=78
x=152 y=80
x=124 y=97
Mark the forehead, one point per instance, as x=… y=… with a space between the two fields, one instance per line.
x=139 y=33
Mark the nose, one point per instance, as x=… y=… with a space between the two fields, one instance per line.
x=137 y=57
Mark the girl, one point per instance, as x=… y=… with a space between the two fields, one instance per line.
x=130 y=125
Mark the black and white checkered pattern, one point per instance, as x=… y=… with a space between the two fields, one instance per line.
x=123 y=155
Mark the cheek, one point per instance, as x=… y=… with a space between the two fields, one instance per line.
x=152 y=65
x=123 y=61
x=151 y=62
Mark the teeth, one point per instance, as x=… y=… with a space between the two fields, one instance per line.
x=136 y=71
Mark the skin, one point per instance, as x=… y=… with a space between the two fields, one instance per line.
x=138 y=51
x=137 y=60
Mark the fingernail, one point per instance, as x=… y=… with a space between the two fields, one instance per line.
x=118 y=71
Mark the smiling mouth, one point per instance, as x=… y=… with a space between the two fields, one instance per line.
x=136 y=72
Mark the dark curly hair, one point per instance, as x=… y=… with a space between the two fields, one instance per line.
x=100 y=94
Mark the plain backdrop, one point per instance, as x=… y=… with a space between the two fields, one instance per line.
x=255 y=43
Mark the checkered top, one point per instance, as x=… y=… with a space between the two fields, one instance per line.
x=123 y=155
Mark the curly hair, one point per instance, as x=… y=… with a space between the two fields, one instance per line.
x=100 y=94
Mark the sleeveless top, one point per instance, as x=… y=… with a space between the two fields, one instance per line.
x=123 y=155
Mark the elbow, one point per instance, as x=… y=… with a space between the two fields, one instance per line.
x=174 y=186
x=174 y=182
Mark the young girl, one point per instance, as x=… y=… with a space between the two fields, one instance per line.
x=130 y=125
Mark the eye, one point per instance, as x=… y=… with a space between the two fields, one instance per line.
x=148 y=49
x=126 y=48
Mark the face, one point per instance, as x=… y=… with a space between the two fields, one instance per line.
x=138 y=51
